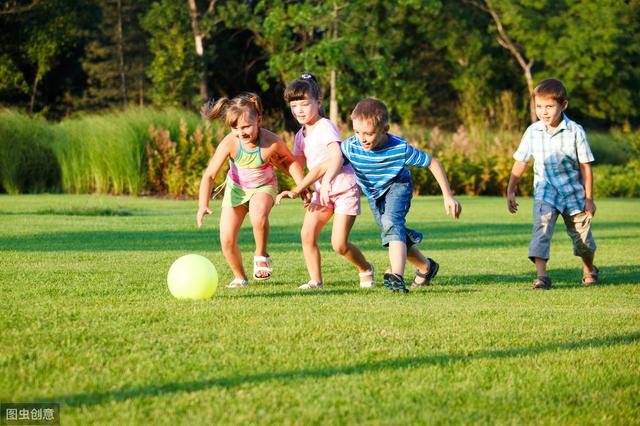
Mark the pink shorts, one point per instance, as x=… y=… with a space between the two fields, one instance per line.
x=346 y=202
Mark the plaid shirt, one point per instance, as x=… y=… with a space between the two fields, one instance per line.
x=557 y=157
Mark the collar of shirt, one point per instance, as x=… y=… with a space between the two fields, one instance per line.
x=539 y=126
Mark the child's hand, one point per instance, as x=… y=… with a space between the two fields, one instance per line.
x=512 y=205
x=590 y=207
x=306 y=197
x=202 y=212
x=324 y=194
x=452 y=207
x=290 y=194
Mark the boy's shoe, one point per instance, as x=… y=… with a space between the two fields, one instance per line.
x=395 y=282
x=428 y=276
x=311 y=285
x=591 y=278
x=542 y=283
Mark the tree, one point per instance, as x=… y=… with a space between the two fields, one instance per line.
x=174 y=67
x=117 y=56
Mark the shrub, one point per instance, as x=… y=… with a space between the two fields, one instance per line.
x=27 y=161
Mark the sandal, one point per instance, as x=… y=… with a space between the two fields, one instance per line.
x=426 y=276
x=237 y=283
x=311 y=285
x=268 y=269
x=395 y=282
x=591 y=278
x=542 y=283
x=369 y=273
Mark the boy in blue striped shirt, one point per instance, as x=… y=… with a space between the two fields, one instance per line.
x=562 y=184
x=380 y=162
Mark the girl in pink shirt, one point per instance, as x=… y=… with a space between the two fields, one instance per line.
x=316 y=142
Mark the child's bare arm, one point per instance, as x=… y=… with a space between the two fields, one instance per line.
x=313 y=175
x=451 y=205
x=587 y=178
x=334 y=166
x=215 y=164
x=516 y=173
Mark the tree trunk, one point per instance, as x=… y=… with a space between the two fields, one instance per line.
x=507 y=43
x=333 y=96
x=36 y=79
x=121 y=70
x=197 y=35
x=333 y=102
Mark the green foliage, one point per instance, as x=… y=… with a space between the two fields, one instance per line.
x=475 y=164
x=27 y=161
x=105 y=153
x=173 y=71
x=175 y=168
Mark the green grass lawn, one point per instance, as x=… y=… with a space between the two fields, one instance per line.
x=87 y=321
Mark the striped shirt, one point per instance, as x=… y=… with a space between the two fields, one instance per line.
x=377 y=169
x=557 y=156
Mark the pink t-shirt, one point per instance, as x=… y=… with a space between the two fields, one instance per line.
x=314 y=147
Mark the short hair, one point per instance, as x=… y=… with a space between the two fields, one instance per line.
x=246 y=103
x=373 y=111
x=304 y=87
x=551 y=88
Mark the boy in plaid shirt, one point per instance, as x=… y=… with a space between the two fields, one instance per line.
x=563 y=181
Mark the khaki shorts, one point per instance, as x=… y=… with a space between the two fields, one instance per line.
x=578 y=228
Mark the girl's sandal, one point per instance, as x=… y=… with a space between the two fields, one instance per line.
x=256 y=268
x=369 y=273
x=311 y=285
x=591 y=278
x=237 y=283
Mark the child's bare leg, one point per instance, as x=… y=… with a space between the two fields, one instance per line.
x=231 y=219
x=541 y=266
x=417 y=259
x=342 y=225
x=397 y=256
x=315 y=219
x=259 y=208
x=587 y=263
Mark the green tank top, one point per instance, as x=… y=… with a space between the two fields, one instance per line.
x=248 y=159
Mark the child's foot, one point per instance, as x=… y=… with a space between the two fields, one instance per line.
x=424 y=278
x=366 y=278
x=262 y=268
x=395 y=283
x=591 y=277
x=237 y=283
x=311 y=285
x=542 y=283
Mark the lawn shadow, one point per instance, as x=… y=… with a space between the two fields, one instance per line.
x=118 y=395
x=438 y=236
x=562 y=277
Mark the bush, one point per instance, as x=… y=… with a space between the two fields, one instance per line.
x=27 y=162
x=175 y=168
x=106 y=153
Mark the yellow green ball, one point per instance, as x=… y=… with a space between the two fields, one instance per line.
x=192 y=277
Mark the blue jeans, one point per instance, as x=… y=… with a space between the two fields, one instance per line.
x=390 y=212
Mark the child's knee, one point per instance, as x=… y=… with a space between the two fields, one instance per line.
x=340 y=246
x=227 y=241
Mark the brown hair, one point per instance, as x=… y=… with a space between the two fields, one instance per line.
x=551 y=88
x=304 y=87
x=246 y=103
x=372 y=111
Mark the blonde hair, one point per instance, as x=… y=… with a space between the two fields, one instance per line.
x=372 y=111
x=246 y=103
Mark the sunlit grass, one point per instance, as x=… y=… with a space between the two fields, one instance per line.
x=88 y=321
